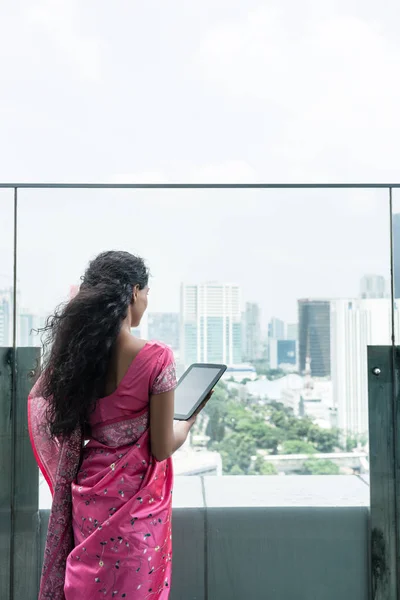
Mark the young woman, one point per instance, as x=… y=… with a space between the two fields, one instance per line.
x=109 y=533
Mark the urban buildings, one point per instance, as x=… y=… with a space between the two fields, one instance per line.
x=292 y=331
x=210 y=327
x=373 y=286
x=27 y=322
x=282 y=354
x=276 y=329
x=282 y=345
x=314 y=336
x=252 y=349
x=5 y=319
x=6 y=310
x=165 y=328
x=356 y=324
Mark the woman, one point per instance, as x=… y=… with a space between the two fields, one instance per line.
x=110 y=526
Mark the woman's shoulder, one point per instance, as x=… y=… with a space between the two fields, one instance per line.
x=159 y=349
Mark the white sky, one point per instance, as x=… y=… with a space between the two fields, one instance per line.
x=210 y=90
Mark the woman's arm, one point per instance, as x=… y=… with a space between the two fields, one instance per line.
x=166 y=436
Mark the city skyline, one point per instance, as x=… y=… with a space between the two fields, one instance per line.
x=343 y=326
x=272 y=327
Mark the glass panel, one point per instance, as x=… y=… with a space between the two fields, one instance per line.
x=6 y=340
x=6 y=266
x=396 y=261
x=287 y=287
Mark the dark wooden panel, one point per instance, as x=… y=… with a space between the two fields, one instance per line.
x=5 y=470
x=26 y=490
x=381 y=400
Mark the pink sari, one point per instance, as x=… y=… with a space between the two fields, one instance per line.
x=109 y=533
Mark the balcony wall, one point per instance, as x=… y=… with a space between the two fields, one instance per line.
x=281 y=538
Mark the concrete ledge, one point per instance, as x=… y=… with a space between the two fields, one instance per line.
x=284 y=538
x=291 y=490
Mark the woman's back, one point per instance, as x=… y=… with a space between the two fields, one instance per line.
x=121 y=497
x=131 y=396
x=109 y=532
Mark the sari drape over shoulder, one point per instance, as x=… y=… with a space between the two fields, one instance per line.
x=109 y=532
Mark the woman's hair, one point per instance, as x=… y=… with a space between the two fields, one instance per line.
x=79 y=339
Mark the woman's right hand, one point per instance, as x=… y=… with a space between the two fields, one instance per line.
x=193 y=418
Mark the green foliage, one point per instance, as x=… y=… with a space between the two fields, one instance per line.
x=238 y=430
x=351 y=442
x=236 y=470
x=236 y=450
x=325 y=440
x=315 y=466
x=298 y=447
x=262 y=369
x=263 y=467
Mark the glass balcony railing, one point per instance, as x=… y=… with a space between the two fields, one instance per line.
x=288 y=286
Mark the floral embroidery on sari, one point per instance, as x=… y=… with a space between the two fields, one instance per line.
x=60 y=539
x=166 y=381
x=121 y=433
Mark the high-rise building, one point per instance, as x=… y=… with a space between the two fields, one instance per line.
x=210 y=323
x=276 y=332
x=4 y=322
x=276 y=329
x=164 y=327
x=373 y=287
x=314 y=336
x=282 y=354
x=292 y=331
x=28 y=325
x=287 y=353
x=356 y=324
x=252 y=332
x=6 y=316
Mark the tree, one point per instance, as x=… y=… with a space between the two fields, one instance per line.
x=325 y=440
x=237 y=431
x=280 y=419
x=216 y=411
x=298 y=447
x=263 y=467
x=299 y=428
x=215 y=429
x=236 y=470
x=237 y=449
x=314 y=466
x=265 y=436
x=351 y=442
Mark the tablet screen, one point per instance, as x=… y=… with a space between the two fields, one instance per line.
x=193 y=387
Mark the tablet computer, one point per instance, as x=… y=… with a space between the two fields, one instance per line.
x=193 y=388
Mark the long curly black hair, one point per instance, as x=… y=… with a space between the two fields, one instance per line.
x=79 y=339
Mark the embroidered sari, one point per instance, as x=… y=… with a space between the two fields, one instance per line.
x=109 y=532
